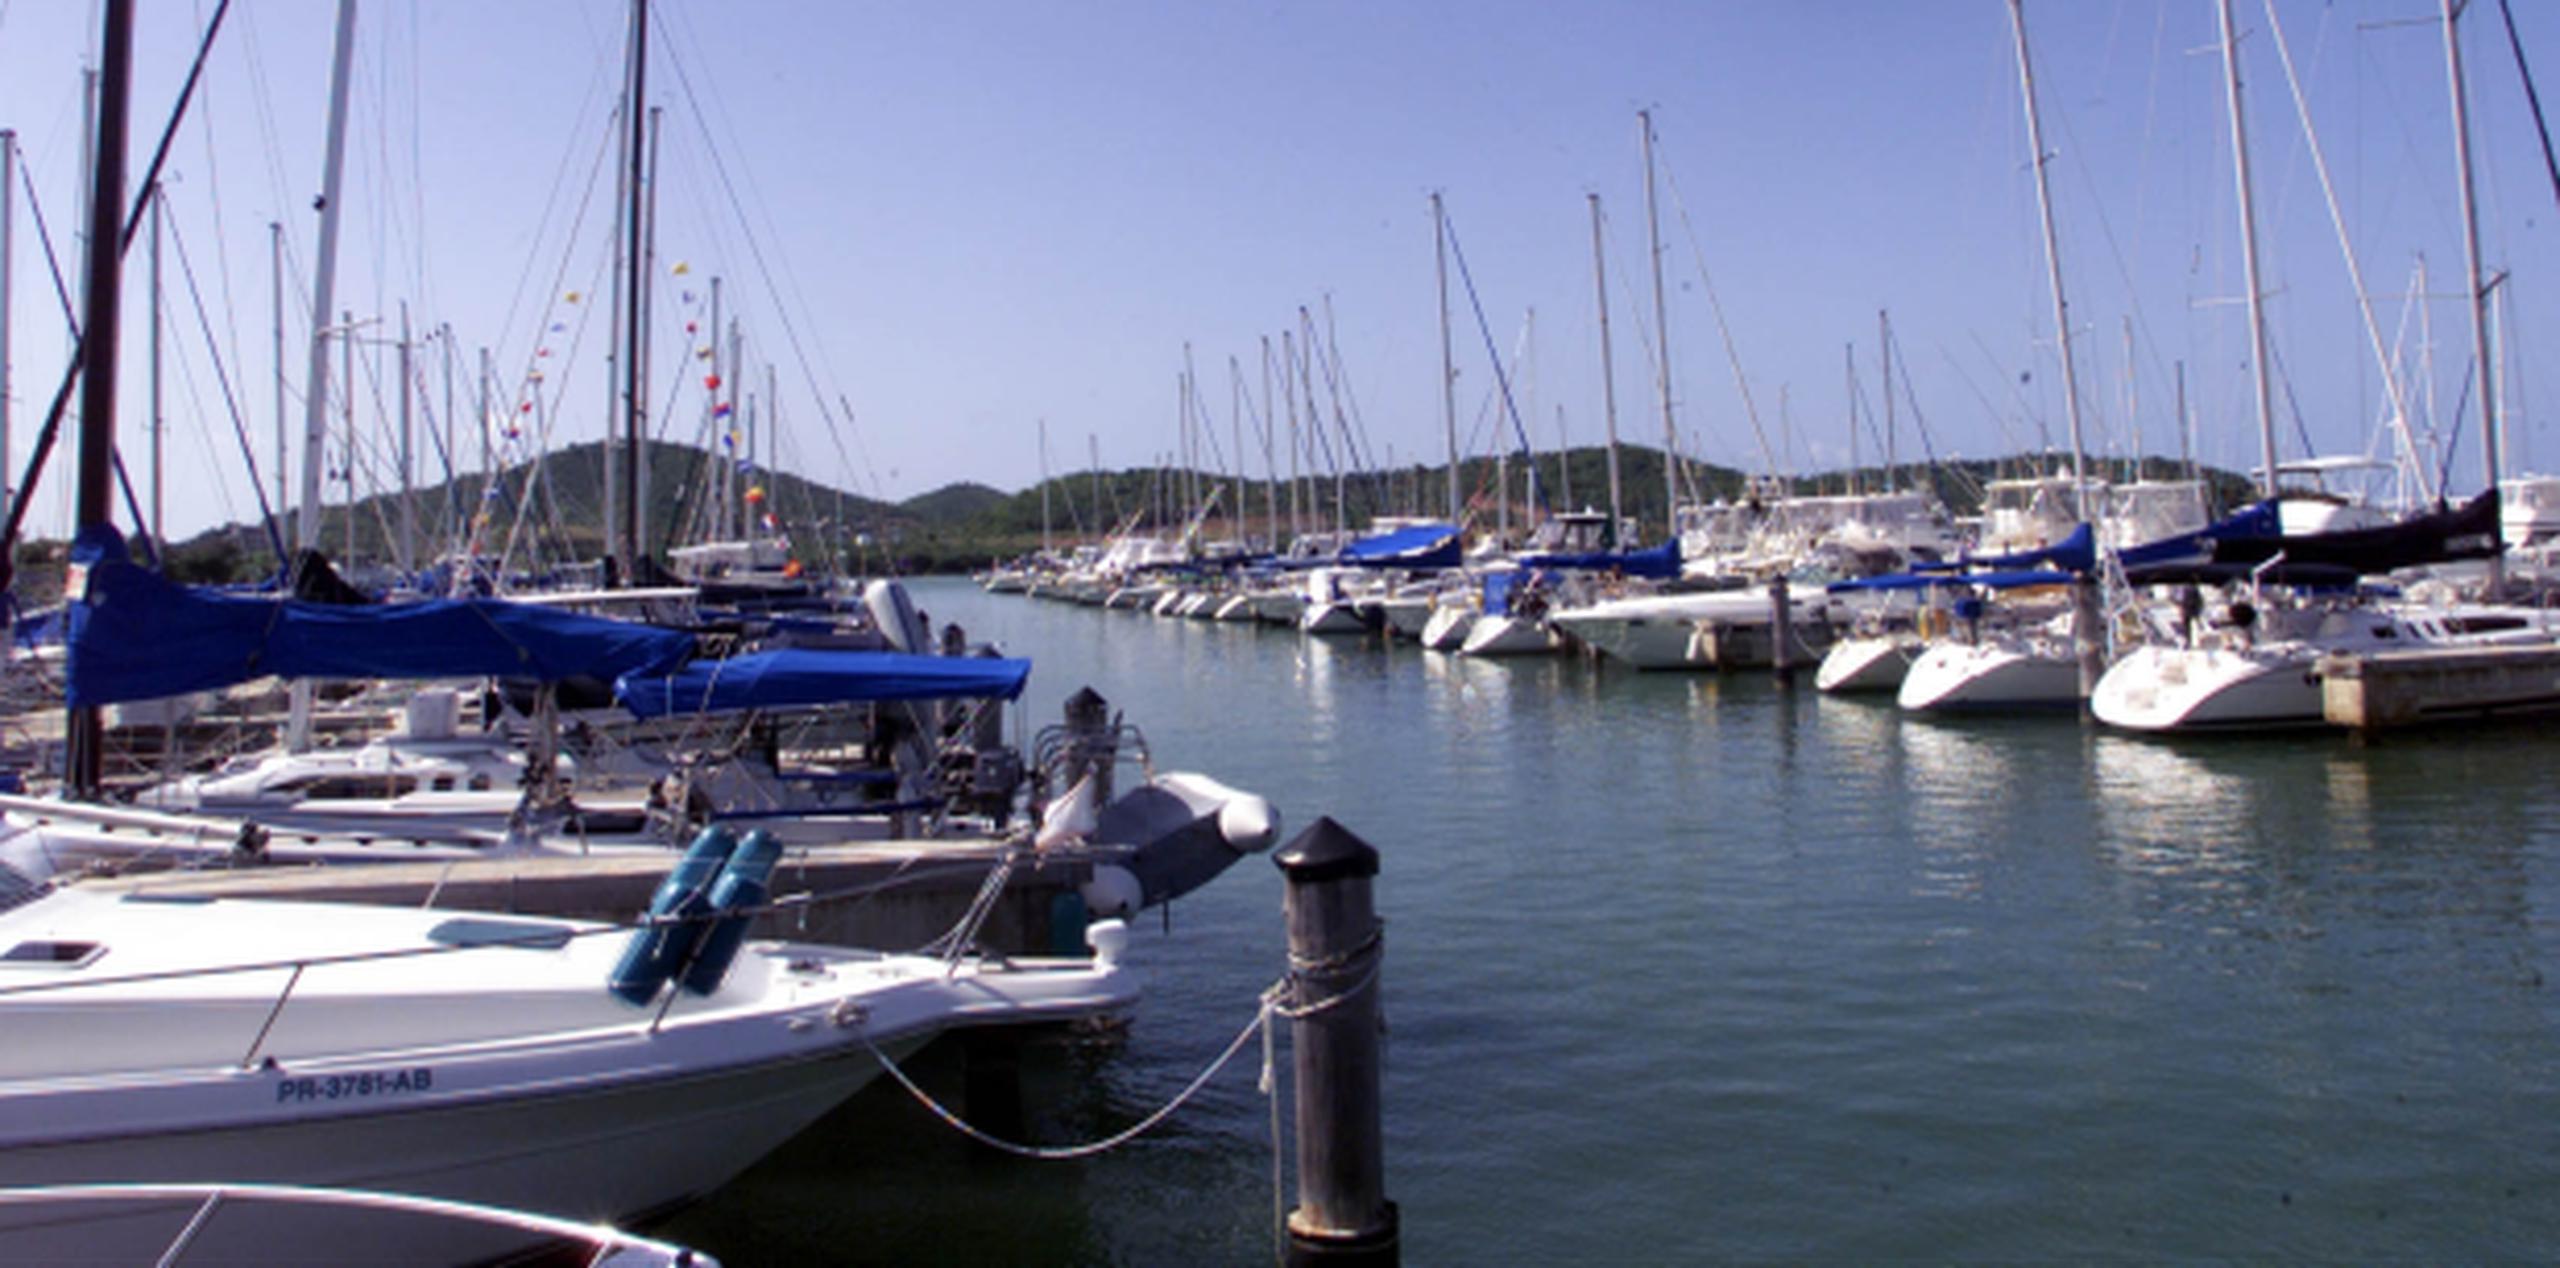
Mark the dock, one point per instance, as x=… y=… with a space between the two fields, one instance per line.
x=2378 y=691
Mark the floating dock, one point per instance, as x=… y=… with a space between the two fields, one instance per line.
x=2379 y=691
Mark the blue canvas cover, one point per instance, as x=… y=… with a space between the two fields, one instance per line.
x=1417 y=546
x=811 y=676
x=138 y=636
x=1661 y=561
x=2075 y=553
x=2258 y=519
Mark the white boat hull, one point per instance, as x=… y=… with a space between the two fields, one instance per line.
x=1990 y=676
x=1446 y=631
x=2179 y=688
x=1332 y=618
x=1507 y=636
x=1867 y=664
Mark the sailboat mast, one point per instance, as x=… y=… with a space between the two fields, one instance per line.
x=8 y=205
x=284 y=411
x=1661 y=339
x=84 y=725
x=1289 y=389
x=324 y=284
x=1884 y=354
x=2480 y=343
x=2053 y=255
x=2249 y=254
x=315 y=408
x=408 y=454
x=1270 y=461
x=1849 y=369
x=1448 y=365
x=627 y=541
x=159 y=420
x=1608 y=370
x=643 y=299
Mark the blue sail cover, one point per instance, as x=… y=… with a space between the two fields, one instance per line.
x=1418 y=546
x=2258 y=519
x=2075 y=553
x=810 y=676
x=1659 y=561
x=138 y=636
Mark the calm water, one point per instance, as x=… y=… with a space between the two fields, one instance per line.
x=1694 y=969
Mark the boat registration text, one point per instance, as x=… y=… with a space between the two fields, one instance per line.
x=338 y=1087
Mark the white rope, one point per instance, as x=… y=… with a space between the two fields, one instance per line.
x=1261 y=1021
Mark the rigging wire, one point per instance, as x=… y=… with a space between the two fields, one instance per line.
x=755 y=250
x=230 y=399
x=1501 y=379
x=50 y=432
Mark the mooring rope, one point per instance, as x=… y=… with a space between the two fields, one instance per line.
x=1261 y=1022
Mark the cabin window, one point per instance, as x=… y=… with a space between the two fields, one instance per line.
x=444 y=783
x=480 y=781
x=2483 y=624
x=48 y=952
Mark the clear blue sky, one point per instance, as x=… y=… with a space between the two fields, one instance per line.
x=971 y=217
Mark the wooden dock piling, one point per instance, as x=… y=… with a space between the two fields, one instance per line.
x=1782 y=630
x=1335 y=960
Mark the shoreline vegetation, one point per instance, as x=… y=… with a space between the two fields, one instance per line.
x=967 y=526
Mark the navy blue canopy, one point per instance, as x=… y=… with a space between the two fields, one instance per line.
x=812 y=676
x=138 y=636
x=2076 y=553
x=1660 y=561
x=1415 y=546
x=2258 y=519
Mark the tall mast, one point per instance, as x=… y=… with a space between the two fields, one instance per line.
x=315 y=408
x=1849 y=370
x=2249 y=254
x=1046 y=545
x=627 y=539
x=644 y=296
x=1608 y=370
x=1884 y=354
x=408 y=456
x=8 y=190
x=347 y=469
x=284 y=411
x=1661 y=339
x=1235 y=427
x=159 y=420
x=1270 y=460
x=1448 y=366
x=453 y=478
x=1289 y=389
x=2053 y=254
x=2488 y=370
x=747 y=433
x=82 y=759
x=324 y=285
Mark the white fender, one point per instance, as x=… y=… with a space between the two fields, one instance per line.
x=1113 y=891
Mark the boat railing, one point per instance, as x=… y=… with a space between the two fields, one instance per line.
x=599 y=1243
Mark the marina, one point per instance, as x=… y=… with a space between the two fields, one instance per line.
x=1724 y=971
x=623 y=782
